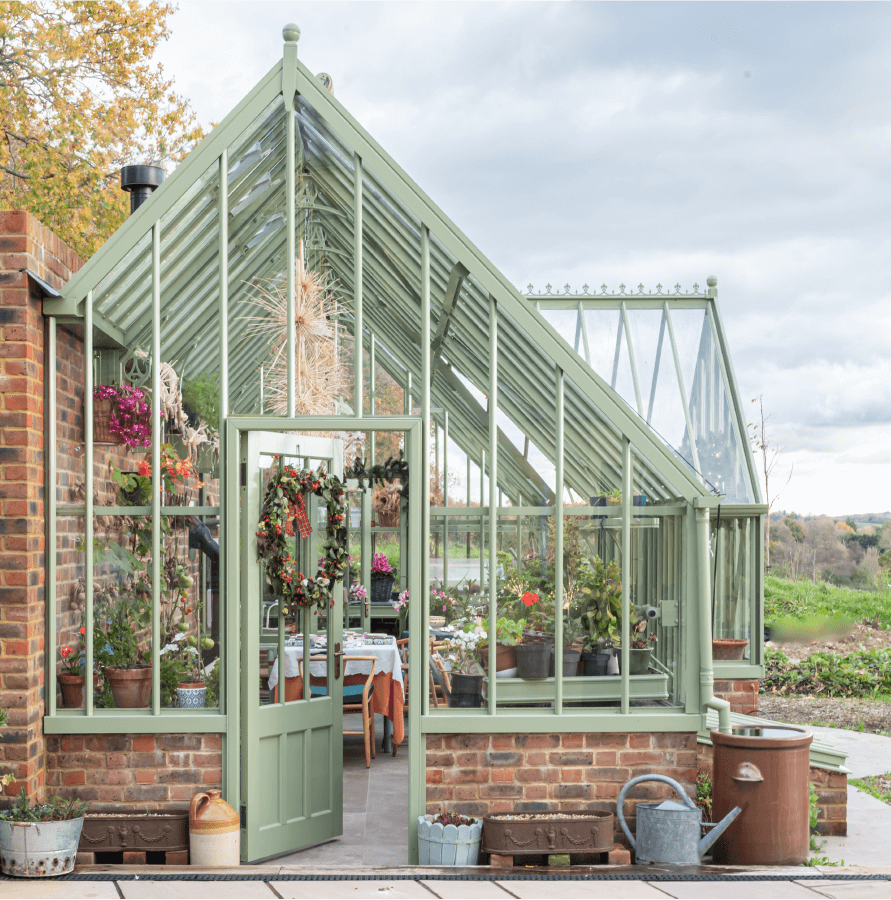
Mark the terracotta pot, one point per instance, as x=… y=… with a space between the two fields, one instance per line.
x=73 y=689
x=131 y=688
x=728 y=648
x=214 y=831
x=505 y=658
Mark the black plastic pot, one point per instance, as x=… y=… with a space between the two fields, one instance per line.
x=467 y=691
x=571 y=658
x=596 y=662
x=533 y=660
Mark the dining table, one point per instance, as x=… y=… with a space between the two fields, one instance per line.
x=388 y=698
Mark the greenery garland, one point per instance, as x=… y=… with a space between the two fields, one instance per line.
x=394 y=469
x=283 y=502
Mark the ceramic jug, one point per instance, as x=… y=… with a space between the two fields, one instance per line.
x=214 y=831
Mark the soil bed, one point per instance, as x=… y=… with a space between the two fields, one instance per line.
x=873 y=716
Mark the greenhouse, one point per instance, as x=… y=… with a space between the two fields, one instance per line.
x=547 y=498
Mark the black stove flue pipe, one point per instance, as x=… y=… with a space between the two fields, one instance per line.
x=140 y=181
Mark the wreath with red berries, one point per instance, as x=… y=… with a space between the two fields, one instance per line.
x=282 y=516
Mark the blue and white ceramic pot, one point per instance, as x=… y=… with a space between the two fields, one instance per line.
x=191 y=695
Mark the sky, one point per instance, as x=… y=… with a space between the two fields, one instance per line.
x=641 y=143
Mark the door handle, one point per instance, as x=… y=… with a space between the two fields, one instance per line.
x=338 y=656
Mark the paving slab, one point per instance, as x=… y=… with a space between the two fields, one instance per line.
x=868 y=842
x=460 y=890
x=584 y=890
x=867 y=890
x=737 y=890
x=342 y=890
x=38 y=888
x=147 y=889
x=868 y=754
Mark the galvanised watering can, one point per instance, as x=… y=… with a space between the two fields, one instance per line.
x=668 y=832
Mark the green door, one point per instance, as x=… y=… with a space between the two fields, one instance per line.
x=291 y=750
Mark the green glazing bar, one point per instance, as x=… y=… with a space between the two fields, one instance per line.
x=493 y=493
x=519 y=559
x=417 y=659
x=49 y=450
x=630 y=345
x=467 y=531
x=424 y=480
x=558 y=553
x=229 y=603
x=445 y=500
x=482 y=518
x=359 y=400
x=626 y=572
x=292 y=264
x=406 y=398
x=156 y=468
x=366 y=554
x=88 y=505
x=685 y=402
x=372 y=394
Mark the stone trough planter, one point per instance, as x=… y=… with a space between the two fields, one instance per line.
x=549 y=832
x=110 y=832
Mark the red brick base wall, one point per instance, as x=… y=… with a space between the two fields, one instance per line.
x=123 y=771
x=741 y=695
x=831 y=788
x=476 y=774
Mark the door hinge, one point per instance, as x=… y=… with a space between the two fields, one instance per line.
x=244 y=474
x=242 y=815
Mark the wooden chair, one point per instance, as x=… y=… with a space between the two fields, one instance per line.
x=402 y=646
x=440 y=679
x=356 y=698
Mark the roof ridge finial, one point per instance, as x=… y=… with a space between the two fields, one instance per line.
x=291 y=33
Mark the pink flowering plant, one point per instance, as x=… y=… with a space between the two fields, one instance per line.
x=131 y=413
x=402 y=601
x=381 y=568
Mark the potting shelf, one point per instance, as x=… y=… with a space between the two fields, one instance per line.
x=653 y=686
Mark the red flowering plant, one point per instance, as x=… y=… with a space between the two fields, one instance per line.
x=131 y=413
x=283 y=517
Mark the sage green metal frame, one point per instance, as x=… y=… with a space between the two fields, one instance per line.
x=230 y=215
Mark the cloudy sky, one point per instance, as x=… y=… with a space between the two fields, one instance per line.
x=638 y=142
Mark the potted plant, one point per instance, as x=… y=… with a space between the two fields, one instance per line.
x=128 y=674
x=640 y=650
x=41 y=840
x=573 y=635
x=729 y=648
x=382 y=577
x=599 y=605
x=448 y=839
x=466 y=676
x=508 y=633
x=72 y=679
x=534 y=651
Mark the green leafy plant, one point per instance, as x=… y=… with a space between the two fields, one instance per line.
x=53 y=809
x=704 y=788
x=201 y=394
x=862 y=673
x=599 y=602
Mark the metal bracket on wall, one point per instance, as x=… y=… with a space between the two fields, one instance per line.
x=668 y=613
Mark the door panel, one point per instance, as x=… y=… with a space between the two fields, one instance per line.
x=292 y=749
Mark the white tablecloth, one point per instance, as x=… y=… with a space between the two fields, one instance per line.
x=388 y=661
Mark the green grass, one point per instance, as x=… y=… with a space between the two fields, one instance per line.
x=790 y=602
x=879 y=786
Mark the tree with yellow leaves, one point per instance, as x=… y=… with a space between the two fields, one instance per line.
x=79 y=97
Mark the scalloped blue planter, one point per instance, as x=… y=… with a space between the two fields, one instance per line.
x=448 y=845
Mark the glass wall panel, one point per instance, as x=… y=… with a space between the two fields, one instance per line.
x=735 y=557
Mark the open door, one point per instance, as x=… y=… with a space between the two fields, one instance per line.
x=291 y=749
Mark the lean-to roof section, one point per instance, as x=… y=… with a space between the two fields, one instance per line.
x=186 y=205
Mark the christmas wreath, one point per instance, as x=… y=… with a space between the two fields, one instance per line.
x=284 y=507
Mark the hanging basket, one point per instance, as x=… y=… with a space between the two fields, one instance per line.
x=388 y=519
x=102 y=410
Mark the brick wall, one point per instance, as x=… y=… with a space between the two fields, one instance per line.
x=24 y=244
x=742 y=695
x=831 y=788
x=478 y=774
x=120 y=771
